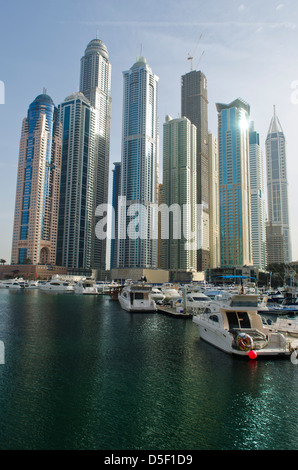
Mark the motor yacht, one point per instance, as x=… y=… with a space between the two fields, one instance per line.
x=86 y=287
x=17 y=284
x=286 y=326
x=170 y=293
x=102 y=287
x=32 y=285
x=137 y=298
x=57 y=285
x=157 y=294
x=236 y=327
x=197 y=302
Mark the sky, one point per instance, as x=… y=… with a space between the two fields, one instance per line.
x=247 y=49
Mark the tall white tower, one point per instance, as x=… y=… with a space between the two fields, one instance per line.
x=258 y=226
x=95 y=84
x=139 y=167
x=277 y=183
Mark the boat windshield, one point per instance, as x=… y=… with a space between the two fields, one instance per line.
x=244 y=302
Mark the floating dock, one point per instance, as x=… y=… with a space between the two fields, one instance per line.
x=173 y=312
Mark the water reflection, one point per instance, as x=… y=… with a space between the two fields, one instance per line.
x=81 y=373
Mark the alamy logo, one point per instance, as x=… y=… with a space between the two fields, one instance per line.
x=141 y=221
x=2 y=92
x=2 y=353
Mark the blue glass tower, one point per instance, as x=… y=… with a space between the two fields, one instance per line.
x=234 y=184
x=35 y=225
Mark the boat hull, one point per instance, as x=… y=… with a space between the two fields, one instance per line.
x=136 y=308
x=223 y=340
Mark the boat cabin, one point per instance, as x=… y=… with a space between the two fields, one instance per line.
x=241 y=313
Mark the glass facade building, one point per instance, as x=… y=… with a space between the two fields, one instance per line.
x=194 y=106
x=258 y=218
x=179 y=253
x=36 y=208
x=277 y=182
x=139 y=166
x=234 y=184
x=115 y=197
x=214 y=229
x=76 y=205
x=95 y=84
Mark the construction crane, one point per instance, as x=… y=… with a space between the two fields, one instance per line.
x=200 y=59
x=191 y=56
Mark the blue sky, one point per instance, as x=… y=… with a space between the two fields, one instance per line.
x=248 y=49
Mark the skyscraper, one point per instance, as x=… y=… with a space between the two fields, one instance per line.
x=258 y=219
x=36 y=207
x=194 y=106
x=95 y=84
x=234 y=184
x=179 y=193
x=115 y=198
x=214 y=226
x=277 y=183
x=139 y=167
x=78 y=177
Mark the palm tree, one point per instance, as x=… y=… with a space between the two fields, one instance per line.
x=2 y=261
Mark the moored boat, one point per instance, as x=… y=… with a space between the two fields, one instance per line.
x=86 y=287
x=57 y=285
x=137 y=298
x=237 y=328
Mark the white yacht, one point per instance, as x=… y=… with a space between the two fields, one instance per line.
x=86 y=287
x=102 y=287
x=137 y=298
x=170 y=292
x=236 y=327
x=284 y=325
x=17 y=284
x=32 y=285
x=197 y=302
x=156 y=294
x=57 y=285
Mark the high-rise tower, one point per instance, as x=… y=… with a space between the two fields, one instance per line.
x=194 y=106
x=78 y=170
x=95 y=84
x=179 y=252
x=139 y=168
x=36 y=208
x=214 y=232
x=277 y=183
x=258 y=226
x=234 y=184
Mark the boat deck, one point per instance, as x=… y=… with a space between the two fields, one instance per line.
x=172 y=312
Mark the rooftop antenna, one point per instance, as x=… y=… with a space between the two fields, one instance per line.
x=97 y=34
x=44 y=91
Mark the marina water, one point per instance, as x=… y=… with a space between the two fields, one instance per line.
x=81 y=373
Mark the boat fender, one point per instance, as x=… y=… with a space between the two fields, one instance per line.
x=244 y=342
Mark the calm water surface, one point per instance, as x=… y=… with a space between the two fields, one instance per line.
x=80 y=373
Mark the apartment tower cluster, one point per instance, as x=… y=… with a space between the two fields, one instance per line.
x=208 y=212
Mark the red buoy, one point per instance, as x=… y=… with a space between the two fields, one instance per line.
x=252 y=354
